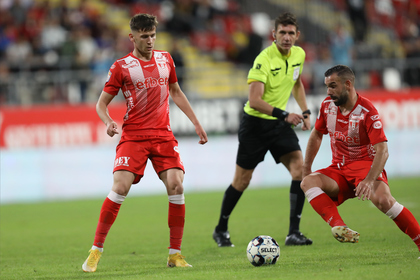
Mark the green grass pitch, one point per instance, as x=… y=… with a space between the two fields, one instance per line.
x=51 y=240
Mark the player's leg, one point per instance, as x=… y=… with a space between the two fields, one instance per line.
x=319 y=190
x=109 y=211
x=231 y=197
x=403 y=218
x=173 y=178
x=293 y=161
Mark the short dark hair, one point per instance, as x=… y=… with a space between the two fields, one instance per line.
x=143 y=22
x=343 y=71
x=286 y=18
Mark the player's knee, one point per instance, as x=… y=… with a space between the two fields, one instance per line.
x=384 y=203
x=121 y=188
x=304 y=185
x=308 y=182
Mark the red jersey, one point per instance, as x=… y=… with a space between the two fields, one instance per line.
x=145 y=85
x=352 y=136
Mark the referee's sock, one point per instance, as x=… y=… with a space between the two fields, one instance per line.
x=230 y=199
x=297 y=199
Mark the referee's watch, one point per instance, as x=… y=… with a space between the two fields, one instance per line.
x=306 y=113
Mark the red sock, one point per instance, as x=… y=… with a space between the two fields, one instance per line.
x=408 y=224
x=109 y=212
x=327 y=209
x=176 y=219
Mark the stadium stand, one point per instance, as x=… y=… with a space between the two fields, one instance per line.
x=59 y=51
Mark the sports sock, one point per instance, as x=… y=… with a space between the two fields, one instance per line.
x=297 y=199
x=405 y=221
x=230 y=199
x=109 y=212
x=176 y=220
x=324 y=206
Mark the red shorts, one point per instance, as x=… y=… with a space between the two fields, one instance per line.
x=163 y=153
x=348 y=177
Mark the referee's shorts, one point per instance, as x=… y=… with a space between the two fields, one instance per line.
x=257 y=136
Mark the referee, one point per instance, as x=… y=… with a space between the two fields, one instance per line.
x=266 y=126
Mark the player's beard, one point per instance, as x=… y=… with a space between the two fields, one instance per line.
x=342 y=99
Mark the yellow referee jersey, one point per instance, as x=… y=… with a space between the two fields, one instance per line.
x=279 y=74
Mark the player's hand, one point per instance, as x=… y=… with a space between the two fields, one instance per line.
x=294 y=119
x=202 y=134
x=364 y=189
x=112 y=128
x=306 y=122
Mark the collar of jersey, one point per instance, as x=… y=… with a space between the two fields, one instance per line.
x=279 y=53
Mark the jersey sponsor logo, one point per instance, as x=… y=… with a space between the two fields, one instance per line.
x=377 y=125
x=121 y=161
x=150 y=82
x=133 y=63
x=346 y=139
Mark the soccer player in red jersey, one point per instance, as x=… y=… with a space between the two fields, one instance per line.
x=359 y=150
x=146 y=78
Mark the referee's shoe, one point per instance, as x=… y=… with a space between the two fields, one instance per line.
x=222 y=239
x=297 y=238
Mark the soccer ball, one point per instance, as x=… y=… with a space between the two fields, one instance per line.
x=263 y=249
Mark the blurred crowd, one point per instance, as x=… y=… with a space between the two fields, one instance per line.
x=53 y=38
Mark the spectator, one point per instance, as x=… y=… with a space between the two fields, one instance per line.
x=341 y=46
x=357 y=13
x=411 y=45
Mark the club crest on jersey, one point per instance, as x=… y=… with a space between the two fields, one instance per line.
x=355 y=120
x=133 y=63
x=121 y=161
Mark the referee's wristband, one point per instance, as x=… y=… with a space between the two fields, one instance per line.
x=279 y=113
x=305 y=113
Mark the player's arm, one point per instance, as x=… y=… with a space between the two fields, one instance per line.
x=182 y=102
x=299 y=94
x=256 y=91
x=102 y=111
x=364 y=189
x=312 y=148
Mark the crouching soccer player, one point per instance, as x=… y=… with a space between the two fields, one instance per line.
x=360 y=151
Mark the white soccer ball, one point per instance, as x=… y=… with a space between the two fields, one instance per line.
x=262 y=250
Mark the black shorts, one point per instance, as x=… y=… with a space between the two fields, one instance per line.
x=257 y=136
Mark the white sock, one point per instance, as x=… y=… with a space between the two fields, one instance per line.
x=98 y=248
x=312 y=193
x=174 y=251
x=177 y=199
x=395 y=210
x=117 y=198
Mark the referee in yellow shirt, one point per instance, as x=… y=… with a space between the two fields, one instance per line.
x=266 y=126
